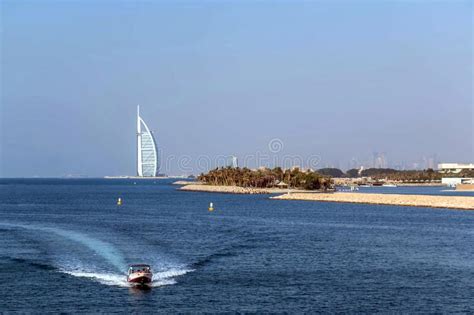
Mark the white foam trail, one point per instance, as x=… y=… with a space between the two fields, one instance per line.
x=104 y=278
x=159 y=279
x=103 y=249
x=165 y=275
x=171 y=273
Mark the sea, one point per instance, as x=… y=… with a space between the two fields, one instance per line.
x=65 y=246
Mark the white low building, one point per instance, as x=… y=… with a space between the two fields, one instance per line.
x=453 y=181
x=454 y=167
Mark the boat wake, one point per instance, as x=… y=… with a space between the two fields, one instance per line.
x=161 y=278
x=98 y=260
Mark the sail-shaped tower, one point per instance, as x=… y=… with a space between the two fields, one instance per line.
x=147 y=155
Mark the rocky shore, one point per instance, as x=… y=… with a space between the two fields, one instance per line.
x=235 y=189
x=453 y=202
x=186 y=182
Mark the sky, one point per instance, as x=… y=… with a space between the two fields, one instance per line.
x=325 y=82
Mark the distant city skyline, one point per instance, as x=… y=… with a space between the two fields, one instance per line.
x=350 y=83
x=382 y=160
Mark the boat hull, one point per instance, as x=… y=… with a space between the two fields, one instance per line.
x=140 y=279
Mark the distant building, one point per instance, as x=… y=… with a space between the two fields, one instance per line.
x=282 y=184
x=147 y=156
x=429 y=162
x=379 y=160
x=453 y=181
x=353 y=163
x=454 y=167
x=234 y=162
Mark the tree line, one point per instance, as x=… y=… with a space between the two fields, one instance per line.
x=267 y=178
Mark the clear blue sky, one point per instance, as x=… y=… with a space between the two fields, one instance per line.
x=335 y=79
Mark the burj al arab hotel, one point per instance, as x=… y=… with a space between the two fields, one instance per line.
x=147 y=155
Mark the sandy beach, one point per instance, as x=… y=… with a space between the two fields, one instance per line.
x=453 y=202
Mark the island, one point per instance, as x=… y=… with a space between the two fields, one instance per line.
x=296 y=184
x=260 y=181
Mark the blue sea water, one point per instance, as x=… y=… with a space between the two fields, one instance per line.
x=65 y=246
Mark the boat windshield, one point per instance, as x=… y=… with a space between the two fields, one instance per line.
x=139 y=268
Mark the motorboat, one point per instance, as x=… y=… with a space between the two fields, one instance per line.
x=140 y=275
x=389 y=185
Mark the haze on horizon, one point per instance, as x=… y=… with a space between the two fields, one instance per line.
x=337 y=80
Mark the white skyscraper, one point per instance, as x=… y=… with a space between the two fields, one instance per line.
x=147 y=157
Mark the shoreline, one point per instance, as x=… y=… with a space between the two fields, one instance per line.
x=186 y=182
x=136 y=177
x=418 y=184
x=430 y=201
x=238 y=190
x=345 y=182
